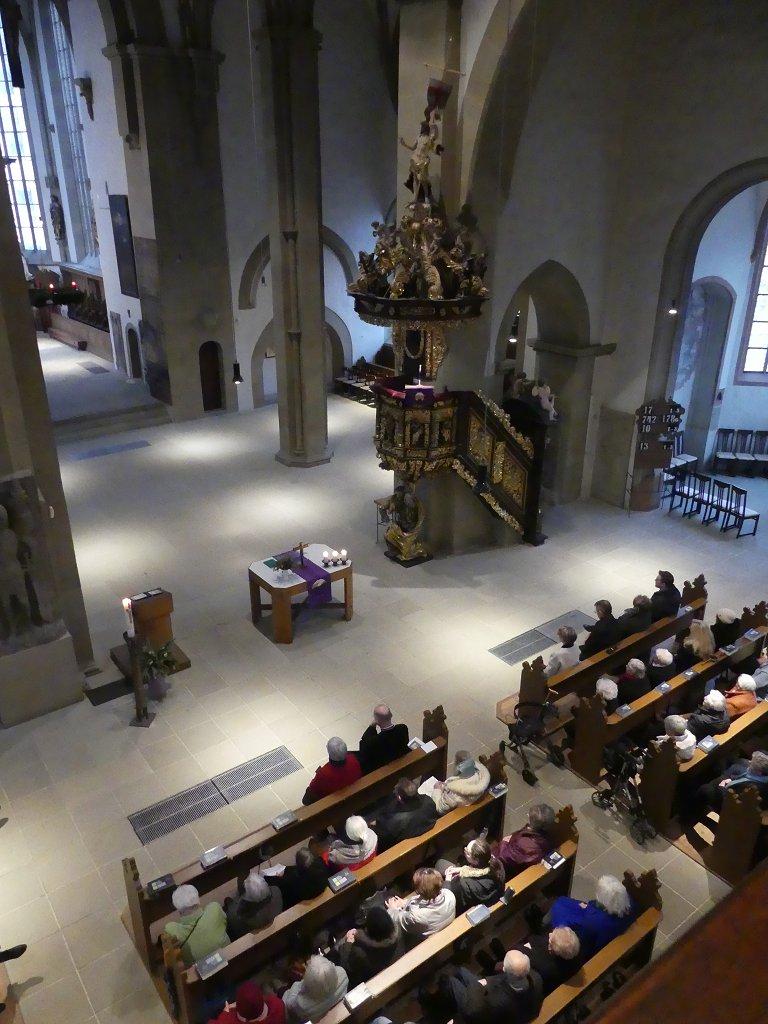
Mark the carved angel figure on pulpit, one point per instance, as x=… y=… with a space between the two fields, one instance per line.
x=407 y=518
x=426 y=144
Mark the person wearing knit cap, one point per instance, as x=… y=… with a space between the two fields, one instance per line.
x=727 y=627
x=252 y=1006
x=741 y=697
x=661 y=667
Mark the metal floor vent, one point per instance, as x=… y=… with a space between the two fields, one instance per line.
x=176 y=811
x=261 y=771
x=527 y=645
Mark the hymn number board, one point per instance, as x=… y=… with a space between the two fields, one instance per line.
x=657 y=423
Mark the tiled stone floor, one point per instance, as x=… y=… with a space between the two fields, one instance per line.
x=190 y=512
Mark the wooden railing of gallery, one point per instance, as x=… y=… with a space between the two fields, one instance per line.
x=245 y=955
x=254 y=848
x=714 y=974
x=581 y=679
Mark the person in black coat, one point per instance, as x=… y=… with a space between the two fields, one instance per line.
x=382 y=741
x=666 y=600
x=480 y=879
x=304 y=881
x=635 y=619
x=727 y=628
x=662 y=667
x=603 y=634
x=555 y=956
x=365 y=951
x=512 y=997
x=711 y=717
x=404 y=815
x=633 y=682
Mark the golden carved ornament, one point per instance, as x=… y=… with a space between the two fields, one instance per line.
x=479 y=441
x=525 y=442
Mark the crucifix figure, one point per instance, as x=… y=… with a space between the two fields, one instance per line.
x=300 y=548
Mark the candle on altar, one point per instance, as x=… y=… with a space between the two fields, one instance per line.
x=344 y=554
x=128 y=616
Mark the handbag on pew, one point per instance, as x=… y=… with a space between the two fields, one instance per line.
x=378 y=899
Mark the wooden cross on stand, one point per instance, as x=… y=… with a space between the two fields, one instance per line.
x=300 y=548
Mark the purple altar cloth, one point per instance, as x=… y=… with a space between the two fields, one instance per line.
x=317 y=579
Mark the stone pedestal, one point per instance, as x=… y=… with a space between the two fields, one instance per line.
x=38 y=680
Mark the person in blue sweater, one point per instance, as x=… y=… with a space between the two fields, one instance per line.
x=596 y=923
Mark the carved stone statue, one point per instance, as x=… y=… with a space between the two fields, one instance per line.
x=407 y=517
x=15 y=612
x=57 y=219
x=30 y=554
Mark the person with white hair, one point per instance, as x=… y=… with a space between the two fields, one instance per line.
x=742 y=697
x=322 y=987
x=633 y=682
x=600 y=920
x=760 y=675
x=514 y=995
x=554 y=956
x=341 y=770
x=199 y=930
x=727 y=627
x=676 y=729
x=661 y=667
x=711 y=717
x=256 y=905
x=383 y=741
x=739 y=775
x=698 y=646
x=567 y=655
x=356 y=847
x=607 y=688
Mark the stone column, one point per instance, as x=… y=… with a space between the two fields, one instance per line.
x=288 y=45
x=28 y=456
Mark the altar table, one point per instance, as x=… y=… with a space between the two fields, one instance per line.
x=282 y=589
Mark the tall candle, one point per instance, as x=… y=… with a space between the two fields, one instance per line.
x=128 y=616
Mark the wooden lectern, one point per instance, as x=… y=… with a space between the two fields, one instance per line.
x=152 y=617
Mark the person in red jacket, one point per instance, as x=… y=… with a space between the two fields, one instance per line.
x=342 y=770
x=252 y=1006
x=528 y=845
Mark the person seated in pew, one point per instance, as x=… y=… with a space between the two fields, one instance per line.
x=727 y=627
x=608 y=689
x=760 y=675
x=252 y=1006
x=323 y=986
x=635 y=619
x=341 y=770
x=512 y=997
x=661 y=667
x=698 y=646
x=304 y=880
x=382 y=741
x=355 y=848
x=603 y=634
x=711 y=716
x=468 y=785
x=429 y=910
x=742 y=697
x=480 y=879
x=554 y=956
x=365 y=951
x=675 y=729
x=665 y=601
x=404 y=815
x=566 y=656
x=530 y=844
x=600 y=920
x=633 y=683
x=199 y=930
x=742 y=773
x=256 y=905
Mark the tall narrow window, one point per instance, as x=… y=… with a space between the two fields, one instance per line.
x=82 y=182
x=753 y=359
x=17 y=157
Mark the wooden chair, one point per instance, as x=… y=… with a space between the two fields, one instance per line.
x=698 y=496
x=737 y=512
x=680 y=457
x=760 y=450
x=742 y=449
x=676 y=485
x=719 y=502
x=726 y=438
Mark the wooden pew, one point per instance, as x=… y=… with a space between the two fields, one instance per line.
x=428 y=956
x=247 y=954
x=249 y=851
x=739 y=824
x=594 y=730
x=581 y=679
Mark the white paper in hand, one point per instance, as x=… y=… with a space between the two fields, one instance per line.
x=427 y=786
x=274 y=871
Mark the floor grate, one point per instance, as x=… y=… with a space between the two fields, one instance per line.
x=109 y=449
x=176 y=811
x=94 y=367
x=527 y=645
x=254 y=775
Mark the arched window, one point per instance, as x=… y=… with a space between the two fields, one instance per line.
x=17 y=157
x=752 y=367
